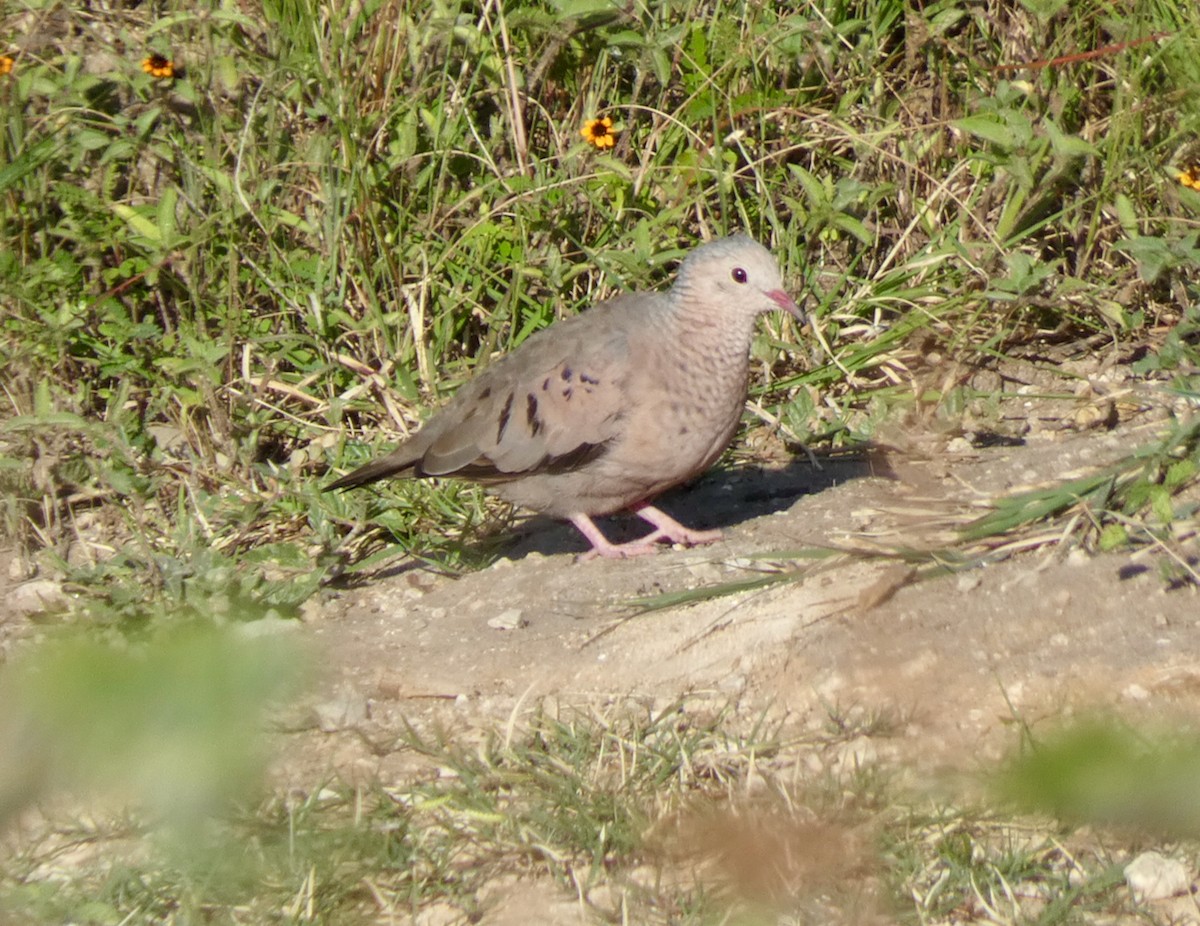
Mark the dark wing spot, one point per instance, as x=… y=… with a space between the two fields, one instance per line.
x=568 y=392
x=683 y=431
x=535 y=423
x=589 y=380
x=574 y=459
x=504 y=413
x=567 y=374
x=485 y=393
x=546 y=384
x=482 y=471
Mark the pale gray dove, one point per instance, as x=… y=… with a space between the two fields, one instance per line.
x=608 y=409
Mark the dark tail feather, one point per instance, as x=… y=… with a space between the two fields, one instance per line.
x=391 y=465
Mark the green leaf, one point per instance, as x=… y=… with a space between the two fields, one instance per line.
x=1126 y=214
x=1160 y=504
x=814 y=189
x=1179 y=474
x=662 y=64
x=138 y=222
x=1152 y=255
x=577 y=9
x=852 y=225
x=44 y=421
x=42 y=402
x=1068 y=145
x=225 y=69
x=1113 y=537
x=166 y=215
x=989 y=128
x=120 y=480
x=28 y=161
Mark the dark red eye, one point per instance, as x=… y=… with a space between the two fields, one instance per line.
x=739 y=275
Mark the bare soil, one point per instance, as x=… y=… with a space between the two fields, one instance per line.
x=961 y=659
x=961 y=663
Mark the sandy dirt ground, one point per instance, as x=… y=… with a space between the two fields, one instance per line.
x=960 y=662
x=961 y=656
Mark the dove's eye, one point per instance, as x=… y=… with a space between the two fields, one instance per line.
x=739 y=275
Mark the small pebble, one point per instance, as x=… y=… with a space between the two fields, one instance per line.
x=36 y=596
x=735 y=684
x=856 y=755
x=1152 y=876
x=346 y=708
x=705 y=572
x=968 y=581
x=511 y=619
x=265 y=627
x=311 y=609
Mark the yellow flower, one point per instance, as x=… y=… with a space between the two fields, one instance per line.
x=6 y=65
x=1190 y=177
x=159 y=67
x=599 y=133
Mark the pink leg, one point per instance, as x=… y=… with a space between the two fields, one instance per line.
x=670 y=530
x=666 y=528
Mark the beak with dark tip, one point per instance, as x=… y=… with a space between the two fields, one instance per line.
x=785 y=302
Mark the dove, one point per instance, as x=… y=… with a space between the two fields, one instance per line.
x=607 y=409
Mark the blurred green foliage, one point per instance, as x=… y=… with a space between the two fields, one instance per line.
x=171 y=725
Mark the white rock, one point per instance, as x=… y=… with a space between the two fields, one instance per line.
x=705 y=572
x=735 y=683
x=968 y=581
x=347 y=708
x=311 y=609
x=438 y=914
x=855 y=755
x=511 y=619
x=1152 y=876
x=265 y=627
x=35 y=596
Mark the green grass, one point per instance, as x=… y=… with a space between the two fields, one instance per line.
x=682 y=814
x=215 y=289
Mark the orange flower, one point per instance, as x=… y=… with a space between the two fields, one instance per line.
x=159 y=67
x=599 y=133
x=6 y=65
x=1190 y=177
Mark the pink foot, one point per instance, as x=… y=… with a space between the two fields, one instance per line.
x=666 y=529
x=670 y=530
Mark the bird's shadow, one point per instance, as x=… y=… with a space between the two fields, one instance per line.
x=720 y=499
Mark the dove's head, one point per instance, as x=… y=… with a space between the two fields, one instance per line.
x=736 y=271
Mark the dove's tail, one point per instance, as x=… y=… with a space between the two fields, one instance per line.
x=399 y=463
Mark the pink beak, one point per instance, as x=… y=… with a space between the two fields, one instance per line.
x=785 y=302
